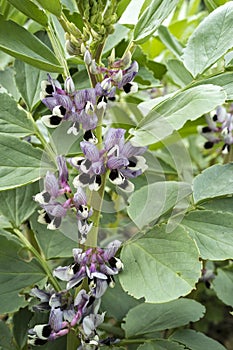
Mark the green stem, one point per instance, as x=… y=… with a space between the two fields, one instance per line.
x=40 y=259
x=229 y=157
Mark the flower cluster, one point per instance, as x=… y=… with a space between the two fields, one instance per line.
x=66 y=311
x=219 y=129
x=57 y=198
x=121 y=159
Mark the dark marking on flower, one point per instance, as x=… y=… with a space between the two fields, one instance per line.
x=206 y=129
x=55 y=120
x=208 y=145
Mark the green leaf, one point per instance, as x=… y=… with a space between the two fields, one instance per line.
x=122 y=302
x=170 y=41
x=196 y=340
x=222 y=284
x=179 y=73
x=20 y=163
x=209 y=41
x=151 y=18
x=54 y=244
x=20 y=326
x=161 y=344
x=31 y=10
x=213 y=182
x=147 y=318
x=120 y=33
x=150 y=202
x=15 y=275
x=160 y=266
x=220 y=204
x=28 y=80
x=14 y=120
x=26 y=47
x=6 y=338
x=172 y=113
x=53 y=6
x=7 y=80
x=212 y=232
x=17 y=204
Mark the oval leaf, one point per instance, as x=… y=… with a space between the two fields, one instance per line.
x=222 y=285
x=25 y=46
x=174 y=112
x=31 y=10
x=20 y=163
x=160 y=266
x=212 y=232
x=210 y=41
x=151 y=18
x=147 y=318
x=161 y=344
x=213 y=182
x=53 y=6
x=9 y=123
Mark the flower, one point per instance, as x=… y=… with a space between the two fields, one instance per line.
x=96 y=264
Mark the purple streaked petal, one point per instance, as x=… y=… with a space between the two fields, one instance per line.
x=55 y=209
x=91 y=151
x=101 y=287
x=64 y=273
x=50 y=102
x=111 y=249
x=63 y=171
x=114 y=137
x=56 y=319
x=129 y=150
x=75 y=280
x=80 y=197
x=89 y=122
x=117 y=162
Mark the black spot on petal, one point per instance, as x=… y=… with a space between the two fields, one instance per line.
x=127 y=88
x=206 y=129
x=55 y=120
x=208 y=145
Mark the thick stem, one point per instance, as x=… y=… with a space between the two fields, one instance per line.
x=40 y=259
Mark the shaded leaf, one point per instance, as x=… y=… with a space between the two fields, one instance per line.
x=164 y=265
x=161 y=344
x=179 y=73
x=151 y=18
x=6 y=338
x=7 y=80
x=222 y=285
x=210 y=41
x=20 y=326
x=170 y=41
x=25 y=46
x=147 y=318
x=15 y=275
x=20 y=163
x=213 y=182
x=31 y=10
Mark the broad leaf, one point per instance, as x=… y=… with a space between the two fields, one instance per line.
x=147 y=318
x=28 y=80
x=151 y=18
x=6 y=337
x=20 y=328
x=150 y=202
x=7 y=80
x=31 y=10
x=172 y=113
x=209 y=41
x=15 y=275
x=213 y=182
x=25 y=46
x=170 y=41
x=20 y=163
x=195 y=340
x=14 y=120
x=17 y=204
x=160 y=266
x=53 y=6
x=54 y=244
x=222 y=285
x=161 y=344
x=179 y=73
x=212 y=232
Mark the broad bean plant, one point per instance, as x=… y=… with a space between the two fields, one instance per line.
x=116 y=175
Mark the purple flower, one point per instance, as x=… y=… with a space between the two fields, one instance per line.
x=83 y=213
x=96 y=264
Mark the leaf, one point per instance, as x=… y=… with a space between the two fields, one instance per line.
x=212 y=232
x=172 y=113
x=53 y=6
x=6 y=338
x=179 y=73
x=14 y=120
x=122 y=301
x=54 y=244
x=151 y=18
x=17 y=204
x=170 y=41
x=150 y=202
x=147 y=318
x=7 y=80
x=28 y=80
x=120 y=33
x=20 y=326
x=222 y=284
x=160 y=266
x=15 y=275
x=210 y=41
x=213 y=182
x=20 y=163
x=195 y=340
x=26 y=47
x=161 y=344
x=31 y=10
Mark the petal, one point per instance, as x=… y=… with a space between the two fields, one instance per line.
x=55 y=319
x=116 y=177
x=95 y=183
x=64 y=273
x=129 y=150
x=114 y=137
x=52 y=121
x=111 y=249
x=117 y=162
x=90 y=151
x=51 y=184
x=81 y=180
x=127 y=186
x=80 y=197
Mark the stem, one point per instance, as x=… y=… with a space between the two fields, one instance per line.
x=37 y=255
x=229 y=157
